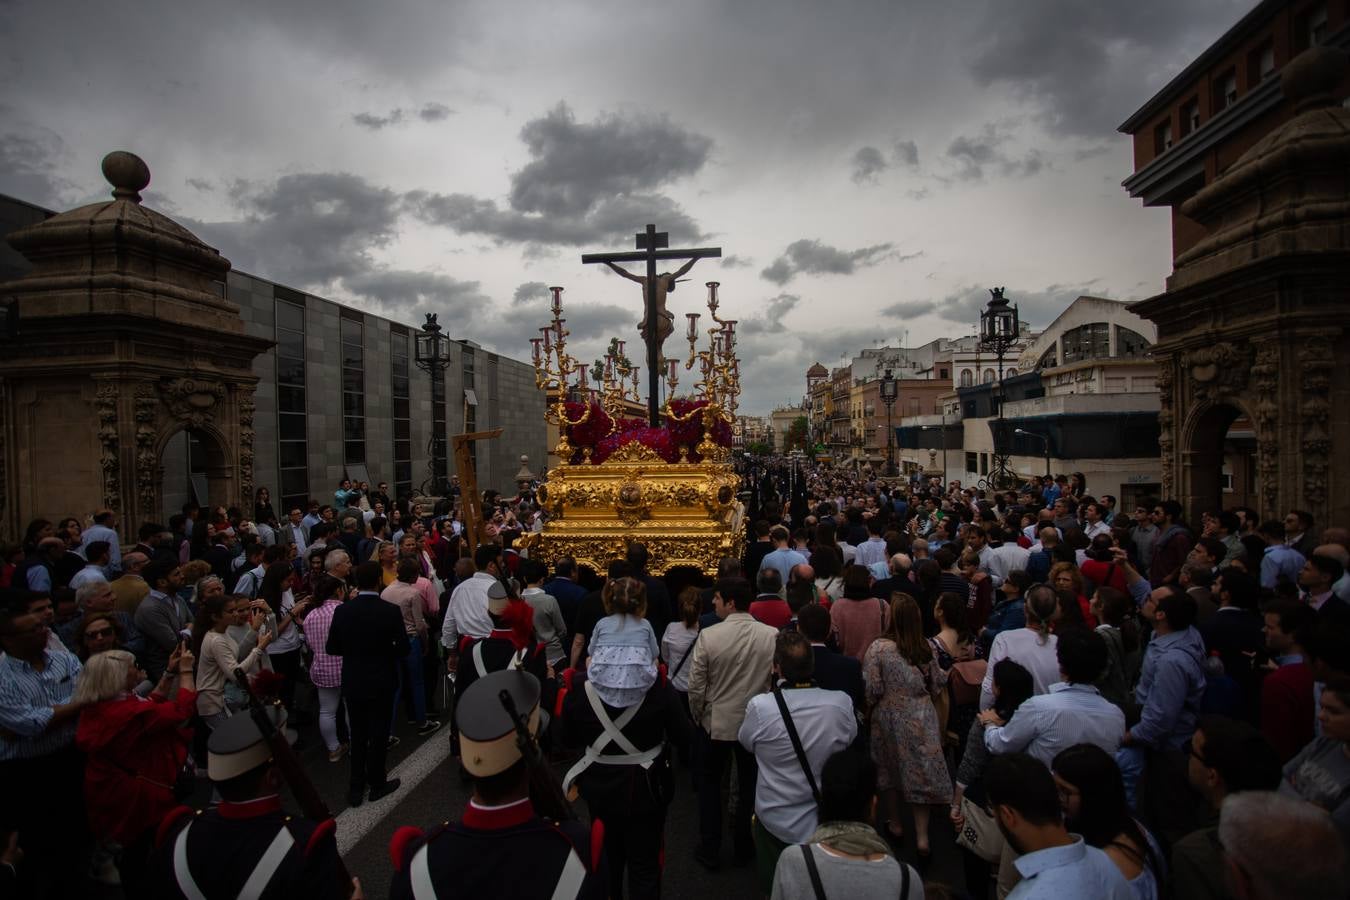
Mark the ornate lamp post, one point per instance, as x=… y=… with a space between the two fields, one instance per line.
x=432 y=355
x=998 y=332
x=888 y=393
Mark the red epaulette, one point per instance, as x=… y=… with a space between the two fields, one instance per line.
x=168 y=823
x=404 y=837
x=326 y=828
x=563 y=691
x=597 y=843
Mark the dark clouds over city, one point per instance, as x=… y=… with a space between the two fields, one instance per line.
x=868 y=169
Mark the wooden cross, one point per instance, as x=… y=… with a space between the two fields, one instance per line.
x=651 y=246
x=475 y=526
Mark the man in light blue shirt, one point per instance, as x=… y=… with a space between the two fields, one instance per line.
x=1280 y=562
x=782 y=557
x=1073 y=712
x=105 y=521
x=1054 y=864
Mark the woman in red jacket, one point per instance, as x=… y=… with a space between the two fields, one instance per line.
x=135 y=749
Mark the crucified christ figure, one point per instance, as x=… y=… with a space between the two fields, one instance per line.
x=665 y=283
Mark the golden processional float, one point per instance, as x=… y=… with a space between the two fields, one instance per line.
x=620 y=480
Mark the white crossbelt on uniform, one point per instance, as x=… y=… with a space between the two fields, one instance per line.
x=612 y=734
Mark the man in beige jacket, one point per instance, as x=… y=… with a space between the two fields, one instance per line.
x=733 y=661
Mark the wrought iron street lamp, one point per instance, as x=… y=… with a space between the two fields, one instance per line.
x=888 y=394
x=998 y=332
x=1045 y=445
x=432 y=355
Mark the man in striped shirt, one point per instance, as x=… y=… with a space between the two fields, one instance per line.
x=1073 y=712
x=39 y=766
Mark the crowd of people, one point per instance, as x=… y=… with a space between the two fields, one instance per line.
x=1095 y=702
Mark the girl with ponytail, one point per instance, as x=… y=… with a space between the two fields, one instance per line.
x=1032 y=647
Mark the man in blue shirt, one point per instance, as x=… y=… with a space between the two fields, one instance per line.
x=1281 y=562
x=1054 y=864
x=104 y=529
x=782 y=557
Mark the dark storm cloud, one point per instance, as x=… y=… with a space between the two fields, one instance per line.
x=434 y=112
x=1038 y=307
x=736 y=261
x=575 y=164
x=974 y=154
x=771 y=320
x=814 y=258
x=610 y=221
x=1082 y=62
x=405 y=294
x=28 y=167
x=428 y=112
x=586 y=183
x=910 y=309
x=591 y=326
x=306 y=229
x=529 y=293
x=906 y=153
x=868 y=163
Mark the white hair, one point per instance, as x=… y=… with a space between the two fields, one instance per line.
x=1311 y=862
x=90 y=589
x=103 y=677
x=335 y=557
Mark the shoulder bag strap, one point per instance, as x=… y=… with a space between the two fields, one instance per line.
x=688 y=652
x=797 y=743
x=813 y=873
x=904 y=880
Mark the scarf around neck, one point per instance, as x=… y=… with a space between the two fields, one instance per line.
x=853 y=838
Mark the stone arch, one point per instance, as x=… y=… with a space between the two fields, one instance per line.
x=192 y=455
x=1201 y=448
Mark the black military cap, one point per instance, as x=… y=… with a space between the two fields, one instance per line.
x=487 y=736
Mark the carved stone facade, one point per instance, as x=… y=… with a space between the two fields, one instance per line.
x=1256 y=315
x=124 y=341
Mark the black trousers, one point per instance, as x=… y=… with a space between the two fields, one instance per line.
x=633 y=844
x=369 y=718
x=44 y=801
x=713 y=758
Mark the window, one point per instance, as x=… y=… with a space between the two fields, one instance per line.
x=1049 y=359
x=1162 y=138
x=1226 y=479
x=989 y=376
x=1091 y=341
x=1225 y=90
x=1190 y=116
x=984 y=463
x=402 y=412
x=944 y=373
x=972 y=461
x=353 y=388
x=1311 y=29
x=967 y=378
x=1130 y=343
x=292 y=447
x=470 y=403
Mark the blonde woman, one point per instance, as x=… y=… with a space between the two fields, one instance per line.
x=1033 y=647
x=135 y=749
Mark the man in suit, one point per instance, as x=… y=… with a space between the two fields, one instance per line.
x=1235 y=631
x=563 y=587
x=368 y=634
x=732 y=663
x=1196 y=578
x=834 y=671
x=1316 y=579
x=296 y=532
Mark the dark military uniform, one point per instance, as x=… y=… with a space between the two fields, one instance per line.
x=215 y=853
x=506 y=850
x=249 y=848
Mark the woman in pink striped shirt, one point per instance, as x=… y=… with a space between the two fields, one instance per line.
x=326 y=671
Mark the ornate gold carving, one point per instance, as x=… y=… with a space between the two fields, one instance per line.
x=105 y=405
x=629 y=504
x=147 y=459
x=1316 y=362
x=1266 y=419
x=246 y=435
x=193 y=400
x=635 y=451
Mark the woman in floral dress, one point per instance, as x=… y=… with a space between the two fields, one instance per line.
x=903 y=677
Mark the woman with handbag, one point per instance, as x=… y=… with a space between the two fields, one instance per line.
x=135 y=749
x=902 y=677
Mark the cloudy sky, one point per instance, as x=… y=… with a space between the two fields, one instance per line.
x=867 y=167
